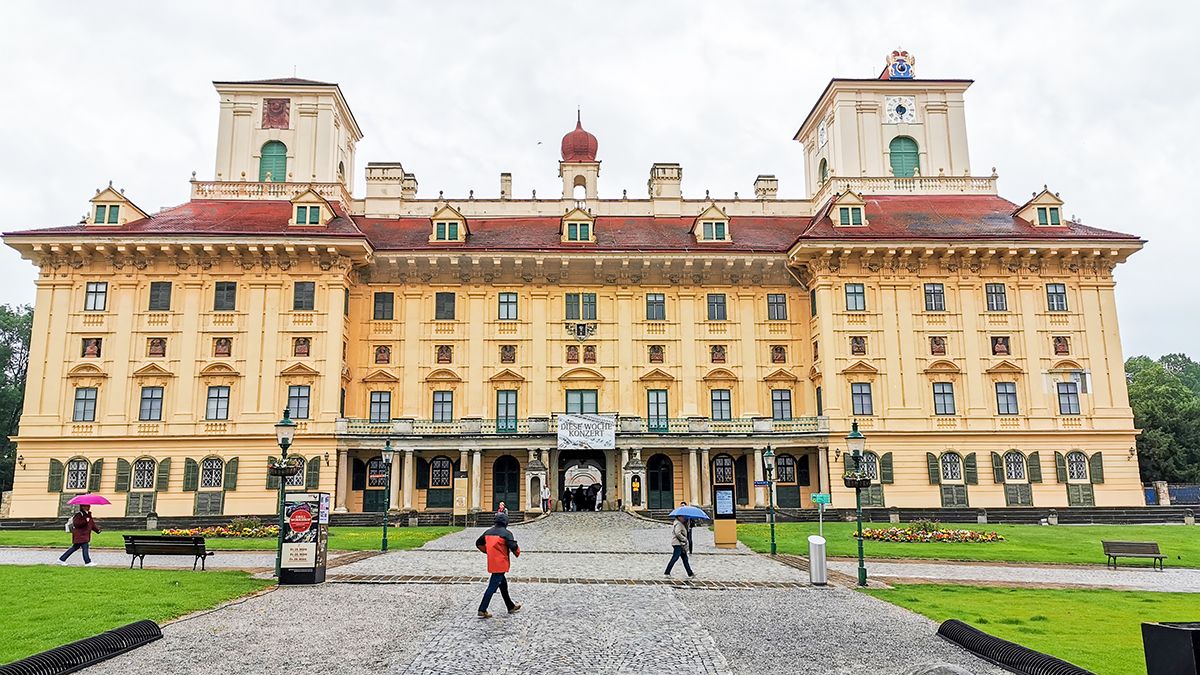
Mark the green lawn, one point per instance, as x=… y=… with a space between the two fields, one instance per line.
x=340 y=538
x=1023 y=543
x=1099 y=630
x=46 y=606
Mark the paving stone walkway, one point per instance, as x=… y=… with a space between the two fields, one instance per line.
x=1167 y=581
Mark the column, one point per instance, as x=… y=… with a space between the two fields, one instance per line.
x=693 y=478
x=552 y=476
x=622 y=485
x=705 y=479
x=394 y=484
x=823 y=477
x=760 y=494
x=476 y=478
x=410 y=478
x=532 y=501
x=343 y=480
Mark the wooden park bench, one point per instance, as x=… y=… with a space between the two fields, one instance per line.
x=1133 y=549
x=139 y=546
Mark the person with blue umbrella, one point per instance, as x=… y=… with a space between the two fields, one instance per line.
x=679 y=537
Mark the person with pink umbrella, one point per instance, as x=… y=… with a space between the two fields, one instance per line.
x=81 y=526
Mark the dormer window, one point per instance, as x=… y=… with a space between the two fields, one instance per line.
x=445 y=231
x=849 y=216
x=310 y=208
x=579 y=231
x=713 y=230
x=1049 y=216
x=712 y=225
x=308 y=215
x=447 y=225
x=1043 y=210
x=577 y=226
x=109 y=218
x=112 y=207
x=848 y=210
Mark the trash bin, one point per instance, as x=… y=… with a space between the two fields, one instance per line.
x=1171 y=648
x=816 y=560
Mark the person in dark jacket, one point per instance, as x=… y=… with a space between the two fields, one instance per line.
x=497 y=542
x=82 y=527
x=679 y=544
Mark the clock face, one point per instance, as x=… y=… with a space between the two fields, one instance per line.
x=901 y=109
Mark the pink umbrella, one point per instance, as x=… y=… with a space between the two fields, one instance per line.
x=89 y=499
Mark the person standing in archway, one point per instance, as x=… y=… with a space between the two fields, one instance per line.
x=545 y=499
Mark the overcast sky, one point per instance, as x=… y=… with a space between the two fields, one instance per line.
x=1096 y=99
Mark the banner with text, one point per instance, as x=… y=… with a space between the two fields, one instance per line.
x=587 y=432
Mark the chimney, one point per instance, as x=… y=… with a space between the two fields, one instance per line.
x=408 y=186
x=506 y=186
x=665 y=188
x=766 y=187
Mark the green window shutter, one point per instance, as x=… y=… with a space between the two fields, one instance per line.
x=971 y=470
x=1035 y=468
x=1060 y=467
x=904 y=157
x=314 y=215
x=719 y=231
x=439 y=230
x=273 y=161
x=935 y=473
x=452 y=232
x=191 y=475
x=94 y=475
x=162 y=482
x=112 y=214
x=100 y=211
x=124 y=470
x=1042 y=220
x=855 y=216
x=708 y=230
x=422 y=474
x=844 y=215
x=1055 y=218
x=1096 y=468
x=231 y=473
x=885 y=469
x=312 y=475
x=997 y=469
x=584 y=234
x=272 y=481
x=55 y=482
x=301 y=215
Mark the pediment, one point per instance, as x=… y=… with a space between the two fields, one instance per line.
x=447 y=212
x=86 y=370
x=152 y=370
x=943 y=366
x=311 y=196
x=719 y=374
x=1066 y=364
x=299 y=369
x=1004 y=368
x=860 y=368
x=1045 y=198
x=780 y=375
x=443 y=375
x=109 y=196
x=580 y=375
x=506 y=375
x=218 y=368
x=849 y=198
x=381 y=376
x=578 y=215
x=814 y=373
x=657 y=375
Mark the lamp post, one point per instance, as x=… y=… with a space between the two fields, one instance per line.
x=769 y=469
x=387 y=490
x=857 y=479
x=285 y=432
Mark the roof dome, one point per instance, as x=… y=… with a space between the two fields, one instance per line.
x=579 y=145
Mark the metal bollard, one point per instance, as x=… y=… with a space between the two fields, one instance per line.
x=817 y=572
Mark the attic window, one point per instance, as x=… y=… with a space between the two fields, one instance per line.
x=713 y=230
x=579 y=231
x=850 y=215
x=1049 y=216
x=308 y=215
x=445 y=231
x=113 y=212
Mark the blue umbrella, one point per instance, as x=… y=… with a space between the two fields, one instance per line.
x=690 y=512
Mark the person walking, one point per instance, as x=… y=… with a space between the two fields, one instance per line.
x=599 y=497
x=497 y=542
x=679 y=542
x=81 y=526
x=689 y=528
x=566 y=500
x=545 y=499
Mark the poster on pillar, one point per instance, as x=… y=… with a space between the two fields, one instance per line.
x=587 y=432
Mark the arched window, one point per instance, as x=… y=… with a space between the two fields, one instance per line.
x=723 y=470
x=579 y=193
x=660 y=481
x=1077 y=466
x=823 y=170
x=296 y=480
x=77 y=473
x=870 y=465
x=212 y=473
x=952 y=468
x=273 y=161
x=1014 y=467
x=905 y=160
x=143 y=474
x=342 y=171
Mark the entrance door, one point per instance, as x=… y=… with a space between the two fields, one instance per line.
x=374 y=501
x=581 y=473
x=506 y=483
x=660 y=481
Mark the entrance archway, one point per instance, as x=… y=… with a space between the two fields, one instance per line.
x=660 y=482
x=506 y=483
x=582 y=472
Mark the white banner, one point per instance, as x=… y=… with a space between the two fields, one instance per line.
x=587 y=432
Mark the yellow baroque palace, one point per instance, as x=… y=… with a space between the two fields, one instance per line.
x=972 y=338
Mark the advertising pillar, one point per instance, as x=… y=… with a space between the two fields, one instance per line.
x=305 y=538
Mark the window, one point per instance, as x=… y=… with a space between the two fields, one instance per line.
x=345 y=302
x=943 y=398
x=218 y=403
x=713 y=230
x=776 y=307
x=308 y=215
x=1006 y=398
x=77 y=473
x=439 y=472
x=823 y=170
x=722 y=469
x=297 y=403
x=143 y=474
x=997 y=298
x=721 y=408
x=1049 y=215
x=272 y=163
x=1068 y=398
x=1014 y=467
x=508 y=307
x=113 y=214
x=581 y=306
x=100 y=210
x=952 y=468
x=579 y=232
x=902 y=152
x=781 y=404
x=160 y=296
x=212 y=473
x=446 y=231
x=1056 y=297
x=225 y=296
x=85 y=405
x=856 y=298
x=342 y=403
x=581 y=401
x=935 y=298
x=304 y=296
x=716 y=307
x=820 y=403
x=656 y=307
x=95 y=296
x=870 y=466
x=296 y=479
x=1077 y=466
x=384 y=306
x=850 y=215
x=381 y=406
x=443 y=406
x=785 y=469
x=506 y=411
x=151 y=408
x=656 y=410
x=860 y=398
x=443 y=309
x=377 y=473
x=812 y=302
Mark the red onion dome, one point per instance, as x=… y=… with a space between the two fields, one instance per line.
x=579 y=145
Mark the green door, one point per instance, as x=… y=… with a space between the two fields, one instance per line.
x=506 y=483
x=374 y=501
x=660 y=479
x=903 y=151
x=273 y=161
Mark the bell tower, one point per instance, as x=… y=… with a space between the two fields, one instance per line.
x=579 y=167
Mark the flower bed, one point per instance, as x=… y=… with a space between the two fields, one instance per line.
x=923 y=536
x=224 y=532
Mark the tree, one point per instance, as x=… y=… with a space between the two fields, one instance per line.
x=16 y=324
x=1187 y=370
x=1167 y=411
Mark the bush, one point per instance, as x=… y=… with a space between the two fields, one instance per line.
x=245 y=523
x=929 y=532
x=222 y=532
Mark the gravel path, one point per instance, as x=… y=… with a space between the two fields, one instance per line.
x=1170 y=580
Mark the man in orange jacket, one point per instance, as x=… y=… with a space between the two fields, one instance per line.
x=497 y=542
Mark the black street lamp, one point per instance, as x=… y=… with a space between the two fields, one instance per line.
x=858 y=479
x=387 y=490
x=285 y=432
x=769 y=468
